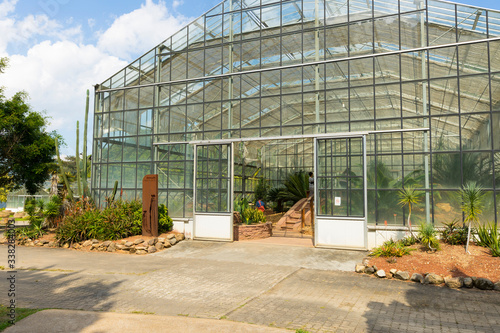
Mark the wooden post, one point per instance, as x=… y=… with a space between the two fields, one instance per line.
x=150 y=205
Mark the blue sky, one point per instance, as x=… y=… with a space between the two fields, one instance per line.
x=60 y=48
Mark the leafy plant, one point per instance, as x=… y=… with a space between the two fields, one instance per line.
x=489 y=237
x=240 y=206
x=261 y=189
x=427 y=236
x=52 y=209
x=118 y=220
x=251 y=215
x=472 y=196
x=391 y=249
x=409 y=196
x=454 y=234
x=408 y=241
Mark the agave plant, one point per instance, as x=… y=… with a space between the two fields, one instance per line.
x=472 y=196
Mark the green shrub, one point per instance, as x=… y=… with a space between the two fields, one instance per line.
x=408 y=241
x=391 y=249
x=427 y=236
x=489 y=237
x=165 y=222
x=119 y=219
x=454 y=234
x=251 y=215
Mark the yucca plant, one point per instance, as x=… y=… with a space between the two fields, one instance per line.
x=472 y=196
x=427 y=235
x=409 y=196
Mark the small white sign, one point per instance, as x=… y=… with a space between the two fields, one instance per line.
x=337 y=201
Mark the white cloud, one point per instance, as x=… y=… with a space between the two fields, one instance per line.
x=7 y=7
x=56 y=77
x=25 y=32
x=177 y=3
x=56 y=68
x=141 y=29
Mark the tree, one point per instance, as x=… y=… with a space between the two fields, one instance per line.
x=409 y=196
x=472 y=196
x=26 y=148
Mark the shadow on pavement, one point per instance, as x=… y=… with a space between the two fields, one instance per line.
x=435 y=308
x=50 y=287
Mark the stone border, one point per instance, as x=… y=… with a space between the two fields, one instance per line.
x=252 y=231
x=431 y=278
x=138 y=246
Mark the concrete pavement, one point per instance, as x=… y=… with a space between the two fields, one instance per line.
x=244 y=282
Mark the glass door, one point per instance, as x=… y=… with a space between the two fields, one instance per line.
x=340 y=193
x=213 y=204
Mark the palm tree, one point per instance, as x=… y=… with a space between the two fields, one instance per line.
x=472 y=196
x=409 y=196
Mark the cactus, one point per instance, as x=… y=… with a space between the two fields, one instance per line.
x=65 y=179
x=85 y=172
x=77 y=158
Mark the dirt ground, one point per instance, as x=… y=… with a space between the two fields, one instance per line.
x=451 y=260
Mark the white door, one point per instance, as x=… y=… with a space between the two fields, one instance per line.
x=213 y=189
x=340 y=193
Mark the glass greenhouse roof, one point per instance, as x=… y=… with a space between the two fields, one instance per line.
x=368 y=56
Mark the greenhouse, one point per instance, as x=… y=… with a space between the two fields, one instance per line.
x=370 y=95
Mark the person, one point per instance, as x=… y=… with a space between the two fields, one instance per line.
x=311 y=184
x=260 y=205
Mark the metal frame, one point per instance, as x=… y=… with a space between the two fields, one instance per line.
x=230 y=195
x=317 y=217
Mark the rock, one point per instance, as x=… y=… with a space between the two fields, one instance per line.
x=432 y=278
x=138 y=241
x=112 y=247
x=170 y=236
x=3 y=240
x=380 y=273
x=167 y=245
x=66 y=246
x=161 y=239
x=94 y=246
x=128 y=244
x=151 y=249
x=19 y=215
x=123 y=242
x=179 y=237
x=415 y=277
x=141 y=248
x=152 y=241
x=359 y=268
x=31 y=244
x=95 y=241
x=454 y=282
x=393 y=271
x=369 y=270
x=484 y=284
x=44 y=241
x=172 y=241
x=497 y=286
x=121 y=247
x=39 y=244
x=52 y=244
x=87 y=243
x=159 y=246
x=468 y=282
x=106 y=243
x=101 y=248
x=36 y=242
x=400 y=275
x=132 y=250
x=141 y=252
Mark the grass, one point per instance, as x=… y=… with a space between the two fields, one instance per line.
x=20 y=314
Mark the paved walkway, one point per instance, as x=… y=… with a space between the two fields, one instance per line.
x=244 y=282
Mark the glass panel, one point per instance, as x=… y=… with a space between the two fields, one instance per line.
x=476 y=131
x=340 y=177
x=212 y=178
